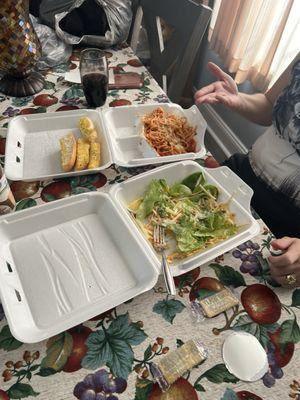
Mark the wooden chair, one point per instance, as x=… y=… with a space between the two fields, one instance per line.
x=172 y=59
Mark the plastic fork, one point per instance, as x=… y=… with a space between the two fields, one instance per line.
x=159 y=243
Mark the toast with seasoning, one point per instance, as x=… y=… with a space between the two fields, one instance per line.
x=68 y=152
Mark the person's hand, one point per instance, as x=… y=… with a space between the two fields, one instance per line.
x=287 y=264
x=223 y=91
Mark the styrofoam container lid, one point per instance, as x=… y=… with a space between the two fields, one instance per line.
x=245 y=357
x=65 y=262
x=33 y=148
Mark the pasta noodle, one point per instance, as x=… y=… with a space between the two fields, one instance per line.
x=168 y=133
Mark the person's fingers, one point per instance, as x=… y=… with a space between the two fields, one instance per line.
x=221 y=75
x=291 y=256
x=288 y=258
x=205 y=90
x=214 y=98
x=205 y=97
x=283 y=281
x=216 y=71
x=224 y=99
x=208 y=99
x=286 y=270
x=282 y=244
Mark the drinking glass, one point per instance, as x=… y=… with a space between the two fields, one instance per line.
x=94 y=76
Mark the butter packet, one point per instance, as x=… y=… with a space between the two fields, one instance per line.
x=213 y=305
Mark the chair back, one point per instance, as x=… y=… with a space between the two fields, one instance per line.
x=173 y=49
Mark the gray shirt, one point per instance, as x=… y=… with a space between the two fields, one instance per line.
x=275 y=156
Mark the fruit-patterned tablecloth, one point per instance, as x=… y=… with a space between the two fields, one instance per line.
x=108 y=357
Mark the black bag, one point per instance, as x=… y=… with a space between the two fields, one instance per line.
x=92 y=22
x=88 y=19
x=34 y=7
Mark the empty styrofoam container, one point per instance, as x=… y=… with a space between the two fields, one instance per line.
x=64 y=262
x=67 y=261
x=33 y=148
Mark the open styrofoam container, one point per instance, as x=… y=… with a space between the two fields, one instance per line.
x=67 y=261
x=64 y=262
x=230 y=186
x=33 y=149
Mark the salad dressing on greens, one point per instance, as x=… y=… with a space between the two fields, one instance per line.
x=188 y=210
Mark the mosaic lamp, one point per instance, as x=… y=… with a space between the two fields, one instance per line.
x=19 y=50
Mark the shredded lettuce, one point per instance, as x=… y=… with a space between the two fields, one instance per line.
x=193 y=180
x=156 y=193
x=179 y=190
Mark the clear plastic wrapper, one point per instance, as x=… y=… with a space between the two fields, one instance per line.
x=54 y=50
x=196 y=311
x=212 y=305
x=178 y=362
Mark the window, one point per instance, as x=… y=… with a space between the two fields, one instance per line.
x=256 y=39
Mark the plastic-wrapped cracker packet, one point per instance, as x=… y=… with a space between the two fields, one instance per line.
x=213 y=305
x=178 y=362
x=196 y=311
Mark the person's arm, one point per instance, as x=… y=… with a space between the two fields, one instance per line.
x=255 y=107
x=258 y=107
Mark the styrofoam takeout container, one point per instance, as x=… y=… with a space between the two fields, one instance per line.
x=69 y=260
x=33 y=149
x=231 y=188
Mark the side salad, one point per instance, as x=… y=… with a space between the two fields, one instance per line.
x=190 y=212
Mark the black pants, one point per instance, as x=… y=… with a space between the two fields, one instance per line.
x=275 y=209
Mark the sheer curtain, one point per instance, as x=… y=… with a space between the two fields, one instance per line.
x=256 y=39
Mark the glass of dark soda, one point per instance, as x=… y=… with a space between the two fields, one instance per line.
x=94 y=76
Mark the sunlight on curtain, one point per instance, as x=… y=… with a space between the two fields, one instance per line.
x=289 y=44
x=256 y=39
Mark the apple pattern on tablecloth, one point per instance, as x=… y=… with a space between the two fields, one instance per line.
x=261 y=308
x=112 y=339
x=29 y=194
x=110 y=344
x=82 y=346
x=254 y=296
